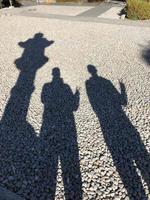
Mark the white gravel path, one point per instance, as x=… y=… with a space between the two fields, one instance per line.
x=116 y=52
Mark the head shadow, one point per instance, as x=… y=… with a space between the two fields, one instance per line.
x=121 y=137
x=92 y=70
x=33 y=57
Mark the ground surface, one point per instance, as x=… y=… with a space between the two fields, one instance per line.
x=63 y=10
x=79 y=132
x=112 y=10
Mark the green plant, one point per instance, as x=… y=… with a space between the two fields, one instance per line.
x=138 y=9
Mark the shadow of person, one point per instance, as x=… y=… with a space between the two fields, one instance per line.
x=18 y=141
x=122 y=139
x=146 y=54
x=59 y=138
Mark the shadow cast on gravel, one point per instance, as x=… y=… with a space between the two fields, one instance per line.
x=59 y=137
x=122 y=139
x=146 y=54
x=29 y=163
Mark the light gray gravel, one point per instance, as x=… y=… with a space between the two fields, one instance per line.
x=81 y=131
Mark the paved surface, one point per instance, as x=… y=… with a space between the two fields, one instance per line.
x=112 y=13
x=74 y=109
x=62 y=10
x=98 y=10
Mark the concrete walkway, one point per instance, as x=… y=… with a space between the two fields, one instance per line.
x=100 y=9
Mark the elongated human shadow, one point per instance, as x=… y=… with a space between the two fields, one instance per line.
x=146 y=54
x=59 y=138
x=122 y=139
x=18 y=142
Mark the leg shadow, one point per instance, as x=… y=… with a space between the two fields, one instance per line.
x=59 y=138
x=122 y=139
x=18 y=141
